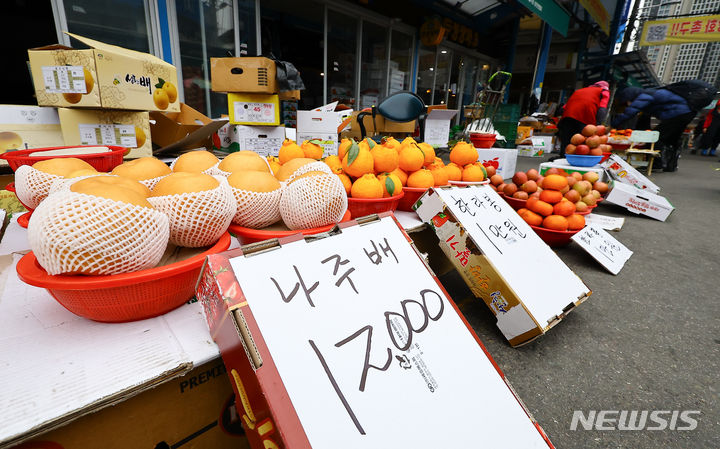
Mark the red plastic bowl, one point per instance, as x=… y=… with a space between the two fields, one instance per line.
x=124 y=297
x=412 y=194
x=24 y=218
x=249 y=235
x=515 y=203
x=483 y=140
x=552 y=237
x=359 y=207
x=103 y=162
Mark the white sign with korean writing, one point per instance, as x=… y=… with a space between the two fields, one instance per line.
x=64 y=79
x=254 y=112
x=604 y=221
x=603 y=247
x=536 y=274
x=371 y=351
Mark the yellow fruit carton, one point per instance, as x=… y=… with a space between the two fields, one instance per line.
x=502 y=260
x=129 y=129
x=24 y=127
x=104 y=76
x=254 y=109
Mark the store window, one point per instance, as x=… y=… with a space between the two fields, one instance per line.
x=123 y=23
x=294 y=33
x=341 y=64
x=206 y=30
x=442 y=76
x=373 y=78
x=426 y=73
x=401 y=51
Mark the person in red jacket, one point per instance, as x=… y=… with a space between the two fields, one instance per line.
x=711 y=132
x=584 y=107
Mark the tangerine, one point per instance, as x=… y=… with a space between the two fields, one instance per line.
x=564 y=208
x=575 y=222
x=440 y=176
x=429 y=153
x=473 y=173
x=555 y=222
x=358 y=161
x=454 y=171
x=551 y=196
x=289 y=150
x=347 y=183
x=411 y=158
x=391 y=184
x=334 y=162
x=540 y=207
x=422 y=178
x=367 y=186
x=463 y=153
x=385 y=159
x=344 y=146
x=312 y=149
x=400 y=173
x=554 y=182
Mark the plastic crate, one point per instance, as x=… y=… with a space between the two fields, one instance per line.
x=508 y=130
x=507 y=113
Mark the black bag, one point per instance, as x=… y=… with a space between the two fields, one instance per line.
x=698 y=93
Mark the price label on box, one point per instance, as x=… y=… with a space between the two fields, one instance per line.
x=603 y=247
x=64 y=79
x=103 y=134
x=254 y=112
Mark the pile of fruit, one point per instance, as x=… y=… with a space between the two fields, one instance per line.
x=583 y=190
x=92 y=223
x=551 y=209
x=620 y=134
x=380 y=170
x=593 y=141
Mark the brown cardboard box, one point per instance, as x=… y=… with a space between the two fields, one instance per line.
x=107 y=127
x=384 y=126
x=104 y=76
x=289 y=95
x=248 y=74
x=195 y=411
x=186 y=129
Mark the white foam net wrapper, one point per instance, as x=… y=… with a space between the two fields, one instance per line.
x=75 y=233
x=313 y=201
x=150 y=183
x=63 y=184
x=312 y=166
x=198 y=218
x=212 y=171
x=32 y=185
x=257 y=210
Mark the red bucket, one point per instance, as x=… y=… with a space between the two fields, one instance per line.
x=359 y=207
x=483 y=140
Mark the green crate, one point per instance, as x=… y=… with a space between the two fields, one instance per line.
x=507 y=113
x=509 y=130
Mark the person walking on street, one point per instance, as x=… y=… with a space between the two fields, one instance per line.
x=675 y=105
x=586 y=106
x=711 y=132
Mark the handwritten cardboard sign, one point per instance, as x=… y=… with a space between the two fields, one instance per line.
x=603 y=247
x=533 y=270
x=605 y=222
x=371 y=351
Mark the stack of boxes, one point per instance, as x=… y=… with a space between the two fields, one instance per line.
x=103 y=94
x=253 y=104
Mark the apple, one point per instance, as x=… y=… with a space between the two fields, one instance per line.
x=595 y=193
x=580 y=206
x=589 y=130
x=552 y=171
x=501 y=187
x=582 y=150
x=519 y=178
x=601 y=129
x=573 y=195
x=495 y=179
x=520 y=195
x=529 y=186
x=577 y=139
x=570 y=149
x=601 y=187
x=589 y=199
x=576 y=175
x=491 y=170
x=603 y=139
x=591 y=177
x=533 y=174
x=593 y=141
x=597 y=151
x=565 y=190
x=510 y=189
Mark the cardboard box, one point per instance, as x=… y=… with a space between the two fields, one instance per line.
x=322 y=126
x=303 y=383
x=184 y=130
x=619 y=170
x=488 y=243
x=437 y=127
x=642 y=202
x=384 y=126
x=24 y=127
x=104 y=127
x=254 y=109
x=246 y=74
x=523 y=132
x=289 y=95
x=196 y=411
x=503 y=159
x=264 y=140
x=530 y=151
x=563 y=165
x=104 y=76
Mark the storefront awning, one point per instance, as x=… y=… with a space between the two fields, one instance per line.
x=632 y=68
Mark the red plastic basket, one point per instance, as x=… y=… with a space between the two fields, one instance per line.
x=552 y=237
x=24 y=219
x=103 y=162
x=359 y=207
x=249 y=235
x=122 y=297
x=515 y=203
x=483 y=140
x=412 y=194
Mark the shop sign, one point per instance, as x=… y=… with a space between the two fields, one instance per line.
x=433 y=31
x=552 y=13
x=685 y=30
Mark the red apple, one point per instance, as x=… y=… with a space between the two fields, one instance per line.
x=529 y=186
x=520 y=195
x=519 y=178
x=570 y=149
x=593 y=141
x=577 y=139
x=573 y=196
x=589 y=130
x=533 y=174
x=510 y=189
x=582 y=150
x=601 y=130
x=597 y=151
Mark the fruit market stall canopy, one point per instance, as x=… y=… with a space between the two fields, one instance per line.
x=631 y=68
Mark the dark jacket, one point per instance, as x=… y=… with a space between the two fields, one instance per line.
x=660 y=103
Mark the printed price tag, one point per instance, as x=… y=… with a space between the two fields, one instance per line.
x=64 y=79
x=362 y=335
x=269 y=146
x=603 y=247
x=97 y=134
x=254 y=112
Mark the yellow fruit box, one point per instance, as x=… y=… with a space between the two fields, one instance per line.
x=103 y=76
x=23 y=127
x=129 y=129
x=254 y=109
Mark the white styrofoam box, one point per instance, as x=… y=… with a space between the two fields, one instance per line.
x=639 y=201
x=503 y=159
